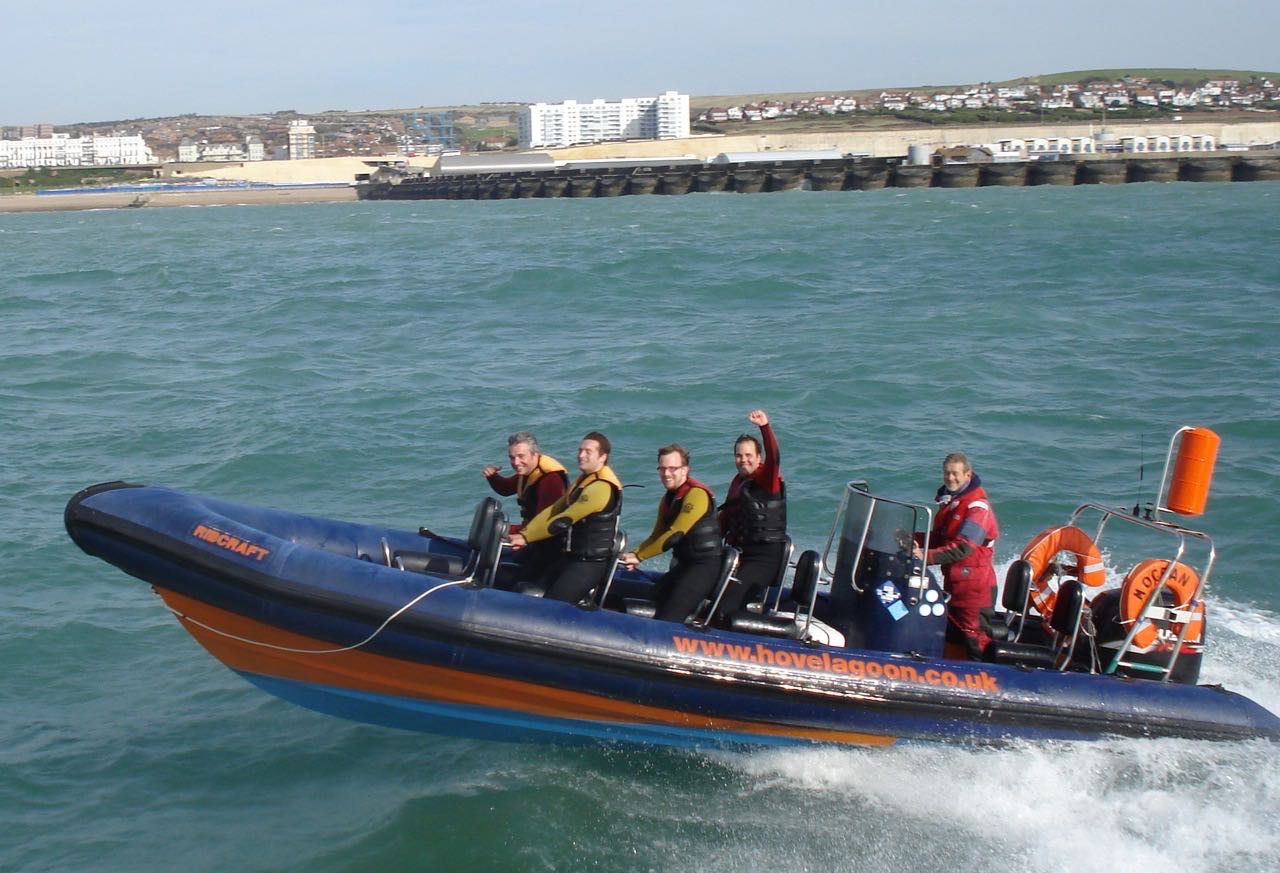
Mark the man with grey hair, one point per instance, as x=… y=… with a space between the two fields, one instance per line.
x=539 y=480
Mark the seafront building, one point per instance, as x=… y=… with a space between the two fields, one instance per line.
x=62 y=150
x=1103 y=142
x=556 y=125
x=302 y=140
x=190 y=151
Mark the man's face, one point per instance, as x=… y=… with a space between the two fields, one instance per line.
x=590 y=458
x=672 y=470
x=745 y=457
x=523 y=458
x=955 y=476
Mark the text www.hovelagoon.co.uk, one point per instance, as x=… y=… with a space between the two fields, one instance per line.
x=825 y=662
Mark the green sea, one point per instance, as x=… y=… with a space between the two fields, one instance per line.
x=365 y=361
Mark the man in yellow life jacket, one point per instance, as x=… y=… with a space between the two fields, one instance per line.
x=686 y=524
x=583 y=521
x=538 y=481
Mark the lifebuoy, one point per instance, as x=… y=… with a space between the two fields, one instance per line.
x=1041 y=553
x=1136 y=591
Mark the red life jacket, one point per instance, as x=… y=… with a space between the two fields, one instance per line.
x=703 y=539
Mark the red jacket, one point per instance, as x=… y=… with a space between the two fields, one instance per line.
x=963 y=532
x=544 y=485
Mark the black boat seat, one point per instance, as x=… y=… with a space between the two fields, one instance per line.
x=1068 y=611
x=702 y=615
x=996 y=623
x=804 y=584
x=639 y=607
x=1019 y=654
x=773 y=591
x=769 y=625
x=426 y=562
x=1015 y=597
x=539 y=587
x=488 y=527
x=804 y=593
x=533 y=588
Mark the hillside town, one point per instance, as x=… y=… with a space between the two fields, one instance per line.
x=1113 y=95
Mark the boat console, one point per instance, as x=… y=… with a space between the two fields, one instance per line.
x=880 y=598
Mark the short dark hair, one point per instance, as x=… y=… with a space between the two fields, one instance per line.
x=748 y=438
x=675 y=448
x=600 y=438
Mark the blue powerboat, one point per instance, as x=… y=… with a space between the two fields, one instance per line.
x=408 y=629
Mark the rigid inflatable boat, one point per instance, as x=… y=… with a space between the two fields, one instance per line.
x=407 y=629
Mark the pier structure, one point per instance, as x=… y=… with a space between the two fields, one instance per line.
x=846 y=174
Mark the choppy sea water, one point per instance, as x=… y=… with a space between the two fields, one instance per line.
x=365 y=360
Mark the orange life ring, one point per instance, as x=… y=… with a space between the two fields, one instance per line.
x=1045 y=547
x=1136 y=591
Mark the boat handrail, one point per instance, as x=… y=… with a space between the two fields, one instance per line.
x=1181 y=534
x=1159 y=526
x=788 y=552
x=619 y=547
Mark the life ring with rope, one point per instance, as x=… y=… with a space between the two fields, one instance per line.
x=1042 y=553
x=1137 y=589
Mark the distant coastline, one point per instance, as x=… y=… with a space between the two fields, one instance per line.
x=879 y=143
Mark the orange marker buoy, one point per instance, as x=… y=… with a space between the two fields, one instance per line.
x=1193 y=471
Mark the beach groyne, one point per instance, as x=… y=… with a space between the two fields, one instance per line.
x=849 y=174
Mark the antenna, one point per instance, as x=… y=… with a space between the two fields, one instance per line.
x=1142 y=456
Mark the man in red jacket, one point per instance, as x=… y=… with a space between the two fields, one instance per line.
x=539 y=481
x=964 y=530
x=754 y=514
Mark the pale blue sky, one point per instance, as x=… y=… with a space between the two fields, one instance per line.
x=78 y=60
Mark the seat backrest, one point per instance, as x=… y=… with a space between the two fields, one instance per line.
x=1068 y=608
x=489 y=550
x=774 y=591
x=804 y=585
x=482 y=522
x=1017 y=584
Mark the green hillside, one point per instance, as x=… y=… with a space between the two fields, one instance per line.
x=1174 y=75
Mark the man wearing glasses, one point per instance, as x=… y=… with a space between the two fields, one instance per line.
x=686 y=524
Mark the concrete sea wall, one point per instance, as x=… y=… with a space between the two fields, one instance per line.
x=849 y=174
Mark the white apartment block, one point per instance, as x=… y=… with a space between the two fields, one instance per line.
x=302 y=140
x=553 y=125
x=60 y=150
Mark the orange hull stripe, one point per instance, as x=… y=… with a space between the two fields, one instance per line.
x=379 y=674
